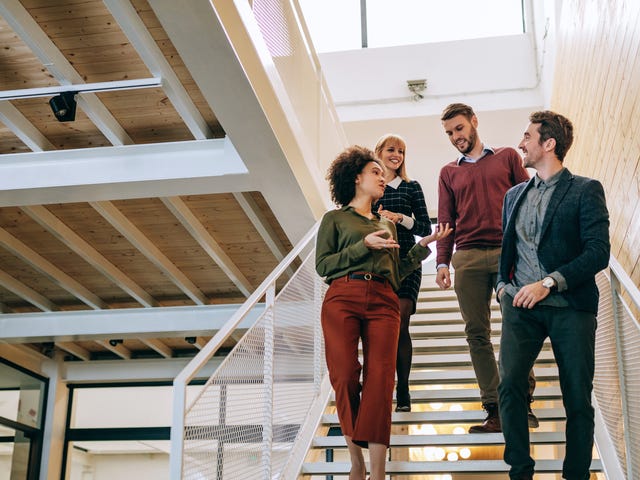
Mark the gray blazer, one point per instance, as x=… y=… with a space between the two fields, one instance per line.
x=574 y=239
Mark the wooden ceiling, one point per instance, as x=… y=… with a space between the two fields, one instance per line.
x=120 y=253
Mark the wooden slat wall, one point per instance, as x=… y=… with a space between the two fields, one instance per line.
x=597 y=85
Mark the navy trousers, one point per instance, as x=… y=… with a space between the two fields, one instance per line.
x=572 y=335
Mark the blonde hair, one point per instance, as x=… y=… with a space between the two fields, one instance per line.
x=392 y=137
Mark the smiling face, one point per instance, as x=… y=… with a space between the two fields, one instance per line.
x=462 y=133
x=530 y=145
x=370 y=182
x=392 y=154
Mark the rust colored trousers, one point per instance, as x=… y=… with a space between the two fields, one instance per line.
x=367 y=310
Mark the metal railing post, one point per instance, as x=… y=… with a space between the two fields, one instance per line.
x=267 y=426
x=615 y=303
x=318 y=350
x=177 y=429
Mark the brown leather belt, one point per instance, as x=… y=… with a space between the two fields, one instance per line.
x=367 y=276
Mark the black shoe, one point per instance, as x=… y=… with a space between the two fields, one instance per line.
x=403 y=401
x=491 y=424
x=531 y=417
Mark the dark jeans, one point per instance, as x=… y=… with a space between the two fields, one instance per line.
x=572 y=335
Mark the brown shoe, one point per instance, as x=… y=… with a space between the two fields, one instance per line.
x=491 y=424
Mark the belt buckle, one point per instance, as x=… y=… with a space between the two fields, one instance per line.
x=367 y=276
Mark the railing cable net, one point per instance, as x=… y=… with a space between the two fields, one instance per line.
x=245 y=420
x=617 y=375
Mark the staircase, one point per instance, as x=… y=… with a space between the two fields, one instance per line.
x=431 y=442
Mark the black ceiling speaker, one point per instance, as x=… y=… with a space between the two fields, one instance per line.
x=64 y=106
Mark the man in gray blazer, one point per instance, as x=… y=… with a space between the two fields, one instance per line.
x=556 y=238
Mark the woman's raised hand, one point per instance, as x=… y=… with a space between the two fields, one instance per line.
x=379 y=240
x=441 y=232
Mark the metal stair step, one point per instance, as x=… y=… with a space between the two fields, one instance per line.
x=444 y=417
x=447 y=376
x=463 y=359
x=450 y=330
x=426 y=317
x=468 y=395
x=453 y=345
x=481 y=467
x=435 y=295
x=466 y=439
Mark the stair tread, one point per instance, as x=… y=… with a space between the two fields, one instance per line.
x=449 y=329
x=469 y=395
x=464 y=416
x=418 y=467
x=466 y=439
x=457 y=359
x=451 y=343
x=448 y=376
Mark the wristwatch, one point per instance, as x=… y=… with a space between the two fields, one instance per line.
x=549 y=282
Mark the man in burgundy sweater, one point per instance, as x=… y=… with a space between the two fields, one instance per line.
x=470 y=194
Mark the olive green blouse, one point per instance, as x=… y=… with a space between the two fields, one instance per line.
x=340 y=248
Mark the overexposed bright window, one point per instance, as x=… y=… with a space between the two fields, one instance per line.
x=335 y=25
x=405 y=22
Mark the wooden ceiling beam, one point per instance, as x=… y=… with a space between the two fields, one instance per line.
x=133 y=234
x=261 y=224
x=23 y=128
x=140 y=38
x=75 y=350
x=158 y=346
x=119 y=349
x=54 y=60
x=200 y=343
x=195 y=228
x=26 y=293
x=35 y=260
x=76 y=243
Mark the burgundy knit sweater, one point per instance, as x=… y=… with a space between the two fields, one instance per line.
x=470 y=199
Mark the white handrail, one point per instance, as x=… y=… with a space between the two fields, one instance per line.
x=625 y=280
x=200 y=360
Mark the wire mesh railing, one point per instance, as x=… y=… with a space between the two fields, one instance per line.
x=248 y=415
x=617 y=376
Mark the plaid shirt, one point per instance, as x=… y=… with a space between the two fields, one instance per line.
x=408 y=199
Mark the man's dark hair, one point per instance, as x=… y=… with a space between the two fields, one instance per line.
x=553 y=125
x=343 y=171
x=456 y=109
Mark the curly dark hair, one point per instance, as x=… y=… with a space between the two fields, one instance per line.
x=343 y=171
x=556 y=126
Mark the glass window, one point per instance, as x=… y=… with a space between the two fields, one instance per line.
x=119 y=459
x=115 y=430
x=109 y=407
x=22 y=404
x=335 y=25
x=405 y=22
x=21 y=396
